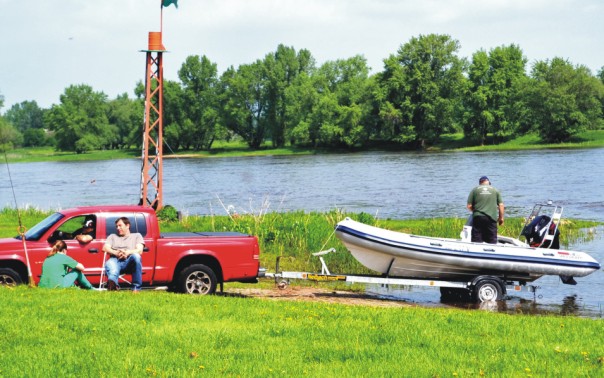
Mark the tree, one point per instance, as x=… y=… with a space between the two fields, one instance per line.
x=282 y=67
x=26 y=115
x=199 y=77
x=301 y=97
x=492 y=103
x=423 y=83
x=9 y=135
x=80 y=120
x=478 y=118
x=342 y=106
x=564 y=100
x=176 y=134
x=28 y=118
x=244 y=102
x=126 y=116
x=330 y=107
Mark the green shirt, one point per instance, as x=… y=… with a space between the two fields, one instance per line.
x=54 y=269
x=485 y=200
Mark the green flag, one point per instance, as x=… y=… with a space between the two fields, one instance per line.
x=166 y=3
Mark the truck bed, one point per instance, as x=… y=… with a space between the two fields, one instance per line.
x=174 y=235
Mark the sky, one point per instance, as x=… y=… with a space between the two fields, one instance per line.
x=50 y=45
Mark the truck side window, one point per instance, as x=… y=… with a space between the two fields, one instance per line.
x=137 y=223
x=72 y=227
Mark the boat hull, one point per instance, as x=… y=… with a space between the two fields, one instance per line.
x=403 y=255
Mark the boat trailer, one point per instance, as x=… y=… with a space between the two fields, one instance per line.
x=480 y=289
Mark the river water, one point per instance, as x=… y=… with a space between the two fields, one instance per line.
x=384 y=184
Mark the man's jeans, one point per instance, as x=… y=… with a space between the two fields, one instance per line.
x=132 y=265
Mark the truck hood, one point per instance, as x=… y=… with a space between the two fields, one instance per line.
x=10 y=245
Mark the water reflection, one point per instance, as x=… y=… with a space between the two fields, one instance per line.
x=572 y=305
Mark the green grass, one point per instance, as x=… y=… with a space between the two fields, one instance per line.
x=34 y=154
x=457 y=142
x=447 y=142
x=80 y=333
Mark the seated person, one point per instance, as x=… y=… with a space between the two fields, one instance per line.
x=125 y=251
x=60 y=270
x=86 y=233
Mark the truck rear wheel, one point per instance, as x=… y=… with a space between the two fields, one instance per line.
x=197 y=279
x=9 y=277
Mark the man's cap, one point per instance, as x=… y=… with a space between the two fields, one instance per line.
x=483 y=178
x=89 y=223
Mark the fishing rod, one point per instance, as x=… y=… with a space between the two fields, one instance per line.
x=21 y=229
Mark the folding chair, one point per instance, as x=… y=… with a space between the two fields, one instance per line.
x=120 y=278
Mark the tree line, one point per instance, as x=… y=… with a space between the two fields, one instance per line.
x=424 y=90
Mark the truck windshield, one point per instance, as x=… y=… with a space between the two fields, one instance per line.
x=38 y=230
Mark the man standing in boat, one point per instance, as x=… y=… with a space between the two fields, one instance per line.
x=487 y=209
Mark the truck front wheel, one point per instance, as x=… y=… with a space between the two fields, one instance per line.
x=197 y=279
x=9 y=277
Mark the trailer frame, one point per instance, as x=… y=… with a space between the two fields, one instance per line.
x=482 y=288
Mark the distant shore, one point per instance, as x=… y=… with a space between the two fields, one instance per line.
x=447 y=143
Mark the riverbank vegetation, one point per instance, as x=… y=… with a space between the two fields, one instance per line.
x=423 y=91
x=238 y=148
x=294 y=236
x=72 y=332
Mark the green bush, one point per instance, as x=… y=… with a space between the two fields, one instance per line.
x=168 y=213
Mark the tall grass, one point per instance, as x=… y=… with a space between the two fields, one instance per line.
x=74 y=332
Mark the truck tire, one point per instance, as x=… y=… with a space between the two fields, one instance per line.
x=197 y=279
x=487 y=290
x=9 y=277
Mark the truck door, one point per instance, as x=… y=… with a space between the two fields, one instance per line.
x=88 y=253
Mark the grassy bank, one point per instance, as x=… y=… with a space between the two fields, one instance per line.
x=103 y=334
x=447 y=142
x=456 y=142
x=81 y=333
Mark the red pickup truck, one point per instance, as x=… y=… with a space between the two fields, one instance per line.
x=188 y=262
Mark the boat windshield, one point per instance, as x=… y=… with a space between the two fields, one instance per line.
x=36 y=232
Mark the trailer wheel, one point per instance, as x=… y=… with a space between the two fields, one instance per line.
x=487 y=290
x=197 y=279
x=282 y=285
x=9 y=277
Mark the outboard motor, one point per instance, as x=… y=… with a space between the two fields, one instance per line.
x=536 y=231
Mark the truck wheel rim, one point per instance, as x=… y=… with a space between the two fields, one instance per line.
x=198 y=283
x=6 y=280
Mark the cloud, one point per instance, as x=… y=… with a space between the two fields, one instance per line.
x=50 y=45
